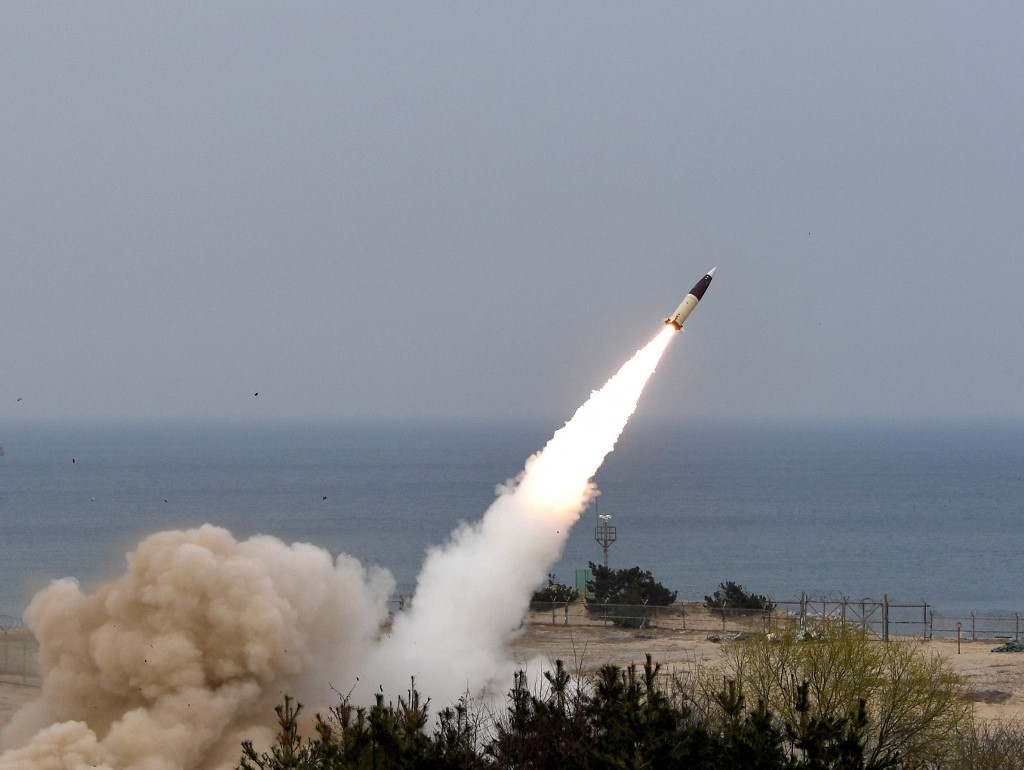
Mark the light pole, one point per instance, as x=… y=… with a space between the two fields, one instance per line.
x=604 y=533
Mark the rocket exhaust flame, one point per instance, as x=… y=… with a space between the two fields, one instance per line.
x=177 y=661
x=494 y=565
x=559 y=475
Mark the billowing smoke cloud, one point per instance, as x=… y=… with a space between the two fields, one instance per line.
x=177 y=661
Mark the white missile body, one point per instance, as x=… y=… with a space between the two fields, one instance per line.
x=690 y=301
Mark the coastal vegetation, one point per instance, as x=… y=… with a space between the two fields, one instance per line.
x=732 y=596
x=631 y=591
x=831 y=699
x=555 y=592
x=628 y=586
x=909 y=704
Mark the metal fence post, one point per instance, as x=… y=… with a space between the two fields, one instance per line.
x=885 y=617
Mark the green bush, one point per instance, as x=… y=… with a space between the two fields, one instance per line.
x=617 y=718
x=558 y=593
x=629 y=592
x=628 y=586
x=383 y=736
x=915 y=703
x=731 y=596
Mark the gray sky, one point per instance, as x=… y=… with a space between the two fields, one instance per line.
x=434 y=210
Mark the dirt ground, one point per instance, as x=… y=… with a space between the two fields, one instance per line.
x=12 y=696
x=996 y=679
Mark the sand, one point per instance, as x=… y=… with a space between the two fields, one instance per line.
x=995 y=679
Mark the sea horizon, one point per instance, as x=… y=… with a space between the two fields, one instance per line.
x=916 y=509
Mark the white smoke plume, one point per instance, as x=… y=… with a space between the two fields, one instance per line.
x=473 y=592
x=177 y=661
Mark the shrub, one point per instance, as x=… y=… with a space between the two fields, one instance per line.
x=731 y=596
x=628 y=586
x=617 y=718
x=558 y=593
x=916 y=703
x=382 y=737
x=630 y=590
x=993 y=746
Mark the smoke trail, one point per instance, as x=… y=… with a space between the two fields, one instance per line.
x=472 y=593
x=177 y=661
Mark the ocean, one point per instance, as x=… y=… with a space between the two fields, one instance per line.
x=912 y=510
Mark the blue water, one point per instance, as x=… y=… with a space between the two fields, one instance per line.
x=915 y=511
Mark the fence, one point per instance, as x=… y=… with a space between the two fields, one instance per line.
x=603 y=614
x=880 y=618
x=877 y=617
x=975 y=627
x=18 y=653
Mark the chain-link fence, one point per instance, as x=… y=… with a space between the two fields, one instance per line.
x=972 y=626
x=881 y=618
x=681 y=617
x=18 y=653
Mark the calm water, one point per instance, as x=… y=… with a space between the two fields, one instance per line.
x=914 y=511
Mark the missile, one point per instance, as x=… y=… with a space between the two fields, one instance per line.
x=690 y=301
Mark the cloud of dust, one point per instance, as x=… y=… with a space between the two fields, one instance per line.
x=177 y=661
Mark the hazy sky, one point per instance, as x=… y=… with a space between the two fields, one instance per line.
x=461 y=210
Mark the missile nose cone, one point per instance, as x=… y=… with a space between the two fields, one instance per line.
x=690 y=300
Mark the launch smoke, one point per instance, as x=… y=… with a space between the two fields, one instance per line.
x=472 y=593
x=177 y=661
x=173 y=663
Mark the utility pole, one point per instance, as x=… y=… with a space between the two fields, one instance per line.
x=604 y=534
